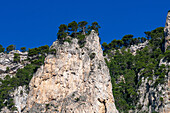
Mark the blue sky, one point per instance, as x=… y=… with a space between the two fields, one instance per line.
x=33 y=23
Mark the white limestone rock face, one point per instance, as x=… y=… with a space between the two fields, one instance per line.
x=74 y=80
x=6 y=61
x=154 y=98
x=20 y=97
x=140 y=46
x=167 y=31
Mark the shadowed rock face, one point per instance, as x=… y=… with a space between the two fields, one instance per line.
x=74 y=80
x=167 y=31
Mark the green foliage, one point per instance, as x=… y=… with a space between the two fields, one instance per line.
x=161 y=99
x=52 y=51
x=10 y=48
x=81 y=40
x=92 y=56
x=157 y=37
x=95 y=26
x=16 y=58
x=7 y=69
x=23 y=49
x=23 y=76
x=67 y=40
x=82 y=27
x=105 y=46
x=40 y=50
x=155 y=112
x=73 y=26
x=167 y=55
x=62 y=32
x=148 y=34
x=1 y=48
x=145 y=62
x=127 y=39
x=76 y=30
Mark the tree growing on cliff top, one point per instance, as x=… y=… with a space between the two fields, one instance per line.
x=23 y=49
x=148 y=34
x=82 y=26
x=73 y=26
x=127 y=40
x=95 y=26
x=1 y=49
x=62 y=32
x=10 y=48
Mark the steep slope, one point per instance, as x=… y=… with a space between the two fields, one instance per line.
x=74 y=80
x=167 y=31
x=7 y=64
x=157 y=98
x=140 y=73
x=8 y=68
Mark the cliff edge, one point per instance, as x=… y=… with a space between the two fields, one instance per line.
x=74 y=80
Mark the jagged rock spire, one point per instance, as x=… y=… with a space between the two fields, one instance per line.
x=75 y=80
x=167 y=31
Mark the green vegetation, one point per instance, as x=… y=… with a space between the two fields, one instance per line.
x=125 y=42
x=82 y=27
x=23 y=76
x=16 y=58
x=1 y=48
x=145 y=63
x=7 y=69
x=73 y=27
x=81 y=40
x=161 y=99
x=76 y=30
x=10 y=48
x=167 y=55
x=37 y=51
x=92 y=56
x=23 y=49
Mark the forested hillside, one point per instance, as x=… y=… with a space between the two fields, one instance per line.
x=127 y=70
x=138 y=67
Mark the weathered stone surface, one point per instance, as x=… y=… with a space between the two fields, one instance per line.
x=156 y=98
x=150 y=97
x=167 y=31
x=20 y=97
x=6 y=61
x=74 y=80
x=140 y=46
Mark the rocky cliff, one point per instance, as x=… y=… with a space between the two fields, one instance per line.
x=74 y=80
x=167 y=31
x=157 y=98
x=7 y=64
x=154 y=98
x=9 y=67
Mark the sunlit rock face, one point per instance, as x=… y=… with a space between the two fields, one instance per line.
x=167 y=32
x=74 y=80
x=7 y=61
